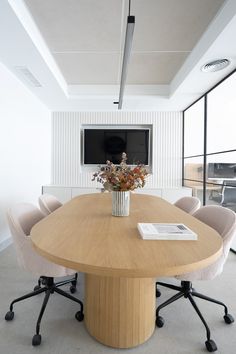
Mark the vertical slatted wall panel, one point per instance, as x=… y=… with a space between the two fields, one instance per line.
x=66 y=145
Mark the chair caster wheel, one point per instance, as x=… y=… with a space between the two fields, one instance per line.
x=79 y=316
x=211 y=346
x=9 y=316
x=228 y=319
x=160 y=321
x=37 y=287
x=158 y=293
x=36 y=340
x=73 y=289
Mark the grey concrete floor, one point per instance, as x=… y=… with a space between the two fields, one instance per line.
x=183 y=332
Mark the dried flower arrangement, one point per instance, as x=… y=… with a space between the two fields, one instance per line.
x=121 y=177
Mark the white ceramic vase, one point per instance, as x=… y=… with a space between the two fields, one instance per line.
x=120 y=203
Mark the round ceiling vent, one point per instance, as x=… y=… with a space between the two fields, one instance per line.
x=215 y=65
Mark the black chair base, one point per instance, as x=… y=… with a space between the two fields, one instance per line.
x=49 y=288
x=72 y=280
x=186 y=290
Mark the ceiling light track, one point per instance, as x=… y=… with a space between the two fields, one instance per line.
x=126 y=55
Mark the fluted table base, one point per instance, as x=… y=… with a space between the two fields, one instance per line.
x=119 y=312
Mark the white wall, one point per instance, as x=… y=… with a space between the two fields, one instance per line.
x=66 y=145
x=25 y=146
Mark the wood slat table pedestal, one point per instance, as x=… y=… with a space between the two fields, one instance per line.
x=120 y=312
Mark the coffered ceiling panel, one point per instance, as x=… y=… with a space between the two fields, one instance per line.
x=85 y=68
x=86 y=37
x=152 y=68
x=78 y=25
x=171 y=25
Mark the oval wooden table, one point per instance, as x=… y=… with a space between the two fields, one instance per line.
x=120 y=267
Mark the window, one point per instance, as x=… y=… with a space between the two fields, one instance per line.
x=209 y=160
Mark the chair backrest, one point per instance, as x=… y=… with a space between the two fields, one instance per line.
x=48 y=203
x=228 y=192
x=21 y=218
x=188 y=204
x=223 y=220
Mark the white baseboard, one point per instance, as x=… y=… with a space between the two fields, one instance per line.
x=5 y=243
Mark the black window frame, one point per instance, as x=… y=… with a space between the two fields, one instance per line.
x=205 y=154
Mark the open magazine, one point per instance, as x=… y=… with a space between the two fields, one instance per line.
x=159 y=231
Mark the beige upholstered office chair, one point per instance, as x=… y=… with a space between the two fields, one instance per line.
x=224 y=222
x=48 y=203
x=188 y=204
x=21 y=219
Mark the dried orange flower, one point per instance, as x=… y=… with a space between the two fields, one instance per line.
x=121 y=177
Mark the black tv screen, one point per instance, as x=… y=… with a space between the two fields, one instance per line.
x=101 y=145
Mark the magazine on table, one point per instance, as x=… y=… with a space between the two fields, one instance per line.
x=161 y=231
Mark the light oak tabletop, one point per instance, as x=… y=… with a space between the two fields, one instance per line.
x=83 y=235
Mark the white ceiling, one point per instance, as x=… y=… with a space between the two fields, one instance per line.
x=74 y=49
x=86 y=37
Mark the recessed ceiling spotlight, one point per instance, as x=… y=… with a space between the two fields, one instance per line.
x=215 y=65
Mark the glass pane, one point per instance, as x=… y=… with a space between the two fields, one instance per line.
x=223 y=194
x=193 y=171
x=221 y=178
x=198 y=192
x=193 y=176
x=194 y=129
x=221 y=166
x=221 y=113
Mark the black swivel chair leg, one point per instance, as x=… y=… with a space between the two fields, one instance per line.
x=210 y=344
x=63 y=282
x=227 y=317
x=160 y=320
x=10 y=314
x=76 y=277
x=68 y=296
x=170 y=286
x=208 y=333
x=36 y=340
x=188 y=291
x=73 y=282
x=79 y=314
x=207 y=298
x=49 y=288
x=169 y=301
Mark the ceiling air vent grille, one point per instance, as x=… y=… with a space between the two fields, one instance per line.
x=27 y=74
x=215 y=65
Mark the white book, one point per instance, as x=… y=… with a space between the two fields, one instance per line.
x=159 y=231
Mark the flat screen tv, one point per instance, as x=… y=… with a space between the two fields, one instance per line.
x=100 y=145
x=219 y=170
